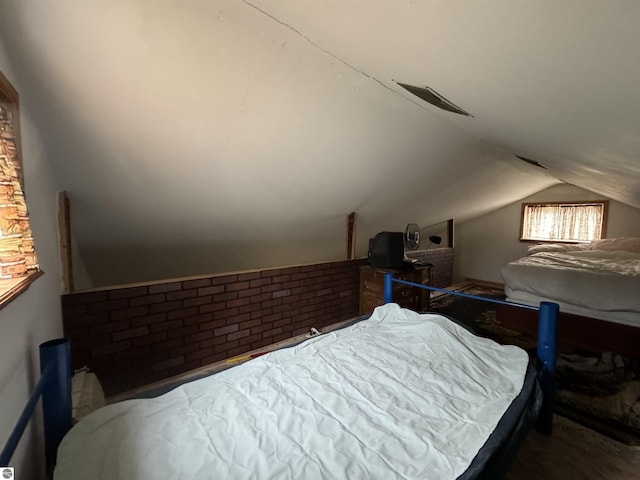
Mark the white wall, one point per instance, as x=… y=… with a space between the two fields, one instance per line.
x=199 y=137
x=34 y=316
x=486 y=243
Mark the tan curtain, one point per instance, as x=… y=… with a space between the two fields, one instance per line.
x=569 y=222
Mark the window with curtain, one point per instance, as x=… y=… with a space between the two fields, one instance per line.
x=18 y=260
x=572 y=222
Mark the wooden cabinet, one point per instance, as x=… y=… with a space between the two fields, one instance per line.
x=372 y=288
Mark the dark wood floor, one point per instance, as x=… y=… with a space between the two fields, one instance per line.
x=574 y=452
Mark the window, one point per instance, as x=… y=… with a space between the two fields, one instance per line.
x=571 y=222
x=18 y=261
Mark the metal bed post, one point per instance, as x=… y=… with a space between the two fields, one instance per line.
x=56 y=396
x=547 y=326
x=388 y=287
x=54 y=386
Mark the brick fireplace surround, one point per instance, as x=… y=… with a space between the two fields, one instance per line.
x=136 y=334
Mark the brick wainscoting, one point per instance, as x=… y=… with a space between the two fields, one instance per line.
x=137 y=334
x=442 y=270
x=441 y=260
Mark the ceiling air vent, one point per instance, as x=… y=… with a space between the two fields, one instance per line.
x=531 y=162
x=434 y=98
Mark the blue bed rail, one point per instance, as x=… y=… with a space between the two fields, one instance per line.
x=54 y=387
x=546 y=351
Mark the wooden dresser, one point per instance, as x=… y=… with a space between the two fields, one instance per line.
x=372 y=288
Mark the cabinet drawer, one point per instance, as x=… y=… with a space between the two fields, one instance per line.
x=372 y=289
x=369 y=302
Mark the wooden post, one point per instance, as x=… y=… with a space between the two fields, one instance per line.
x=64 y=235
x=351 y=235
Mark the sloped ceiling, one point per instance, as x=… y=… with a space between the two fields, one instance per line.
x=204 y=136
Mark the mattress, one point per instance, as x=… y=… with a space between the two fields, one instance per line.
x=623 y=318
x=399 y=395
x=592 y=283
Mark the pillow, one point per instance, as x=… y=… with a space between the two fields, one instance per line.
x=620 y=244
x=555 y=247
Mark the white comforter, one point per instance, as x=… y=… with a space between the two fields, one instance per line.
x=400 y=395
x=594 y=280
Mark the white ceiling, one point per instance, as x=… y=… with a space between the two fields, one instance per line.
x=174 y=123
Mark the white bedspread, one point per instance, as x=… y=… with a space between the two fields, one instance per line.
x=594 y=281
x=400 y=395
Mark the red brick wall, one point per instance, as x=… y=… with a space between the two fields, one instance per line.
x=441 y=260
x=133 y=335
x=442 y=270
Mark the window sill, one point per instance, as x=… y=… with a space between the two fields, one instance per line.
x=11 y=288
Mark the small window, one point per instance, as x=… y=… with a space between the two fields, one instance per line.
x=571 y=222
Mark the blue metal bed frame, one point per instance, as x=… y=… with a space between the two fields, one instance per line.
x=54 y=385
x=546 y=351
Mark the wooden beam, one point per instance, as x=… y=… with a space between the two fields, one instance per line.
x=351 y=235
x=64 y=236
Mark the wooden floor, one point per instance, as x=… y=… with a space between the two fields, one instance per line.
x=574 y=452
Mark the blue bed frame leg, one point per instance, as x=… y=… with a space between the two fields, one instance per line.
x=56 y=396
x=547 y=327
x=388 y=288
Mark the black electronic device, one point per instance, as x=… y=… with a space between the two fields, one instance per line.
x=386 y=250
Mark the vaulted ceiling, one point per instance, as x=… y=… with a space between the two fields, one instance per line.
x=244 y=131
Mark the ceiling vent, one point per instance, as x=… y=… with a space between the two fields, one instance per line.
x=531 y=162
x=434 y=98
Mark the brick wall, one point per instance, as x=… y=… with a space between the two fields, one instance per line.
x=442 y=270
x=442 y=261
x=133 y=335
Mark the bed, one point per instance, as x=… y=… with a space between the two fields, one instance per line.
x=397 y=394
x=595 y=284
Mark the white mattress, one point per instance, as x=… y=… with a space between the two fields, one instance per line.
x=400 y=395
x=592 y=283
x=624 y=318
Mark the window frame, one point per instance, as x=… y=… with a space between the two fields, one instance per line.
x=12 y=288
x=603 y=228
